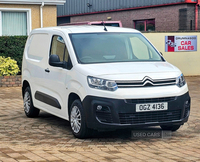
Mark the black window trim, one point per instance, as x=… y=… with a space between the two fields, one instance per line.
x=69 y=59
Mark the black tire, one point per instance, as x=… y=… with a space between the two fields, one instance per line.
x=29 y=109
x=78 y=121
x=172 y=128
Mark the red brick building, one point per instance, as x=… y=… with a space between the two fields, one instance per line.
x=144 y=15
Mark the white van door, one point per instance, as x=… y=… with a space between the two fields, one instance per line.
x=55 y=80
x=34 y=62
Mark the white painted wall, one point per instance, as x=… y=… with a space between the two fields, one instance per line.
x=187 y=62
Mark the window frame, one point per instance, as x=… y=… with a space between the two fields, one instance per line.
x=28 y=17
x=145 y=23
x=52 y=41
x=69 y=63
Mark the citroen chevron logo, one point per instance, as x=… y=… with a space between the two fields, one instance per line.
x=147 y=80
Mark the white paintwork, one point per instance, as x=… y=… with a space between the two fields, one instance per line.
x=60 y=82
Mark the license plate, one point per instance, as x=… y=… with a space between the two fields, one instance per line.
x=151 y=107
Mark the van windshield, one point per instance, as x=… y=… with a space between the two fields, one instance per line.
x=113 y=47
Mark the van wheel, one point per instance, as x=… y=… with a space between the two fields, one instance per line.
x=29 y=109
x=172 y=128
x=78 y=121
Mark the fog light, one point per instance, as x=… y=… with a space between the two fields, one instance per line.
x=187 y=108
x=187 y=104
x=99 y=107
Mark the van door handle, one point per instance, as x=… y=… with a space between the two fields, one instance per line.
x=47 y=70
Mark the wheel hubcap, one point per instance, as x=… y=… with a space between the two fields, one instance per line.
x=27 y=102
x=75 y=119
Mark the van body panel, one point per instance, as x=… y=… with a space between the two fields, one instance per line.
x=138 y=70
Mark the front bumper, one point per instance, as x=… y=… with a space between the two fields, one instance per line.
x=119 y=113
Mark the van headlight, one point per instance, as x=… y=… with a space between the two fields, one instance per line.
x=102 y=84
x=180 y=81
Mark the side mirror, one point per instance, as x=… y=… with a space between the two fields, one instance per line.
x=161 y=53
x=54 y=60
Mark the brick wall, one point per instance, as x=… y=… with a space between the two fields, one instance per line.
x=10 y=81
x=187 y=17
x=191 y=16
x=166 y=17
x=183 y=19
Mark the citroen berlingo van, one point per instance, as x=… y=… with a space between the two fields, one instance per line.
x=101 y=78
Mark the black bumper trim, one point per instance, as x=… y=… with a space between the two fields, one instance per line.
x=111 y=120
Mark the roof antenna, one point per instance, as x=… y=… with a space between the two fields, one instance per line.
x=104 y=26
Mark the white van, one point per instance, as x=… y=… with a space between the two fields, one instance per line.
x=101 y=78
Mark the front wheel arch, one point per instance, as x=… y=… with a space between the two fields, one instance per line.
x=72 y=97
x=24 y=86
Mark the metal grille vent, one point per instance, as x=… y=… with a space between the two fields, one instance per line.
x=149 y=117
x=146 y=82
x=150 y=100
x=104 y=117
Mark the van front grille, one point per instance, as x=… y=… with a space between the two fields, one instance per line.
x=146 y=82
x=150 y=100
x=149 y=117
x=104 y=117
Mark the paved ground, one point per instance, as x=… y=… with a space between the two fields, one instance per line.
x=48 y=138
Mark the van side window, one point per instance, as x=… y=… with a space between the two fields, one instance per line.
x=59 y=48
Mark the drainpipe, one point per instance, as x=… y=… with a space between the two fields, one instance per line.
x=196 y=14
x=41 y=15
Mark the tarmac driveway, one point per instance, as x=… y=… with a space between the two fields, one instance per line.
x=48 y=138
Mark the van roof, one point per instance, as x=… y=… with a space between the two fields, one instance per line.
x=84 y=29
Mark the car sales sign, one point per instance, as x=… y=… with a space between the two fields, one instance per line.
x=180 y=43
